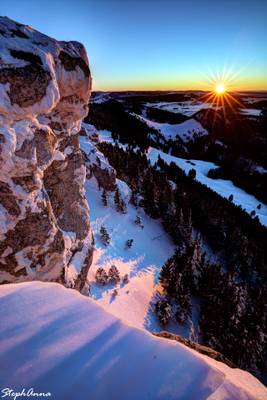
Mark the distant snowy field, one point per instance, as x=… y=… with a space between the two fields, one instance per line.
x=223 y=187
x=55 y=340
x=251 y=100
x=187 y=108
x=254 y=112
x=185 y=130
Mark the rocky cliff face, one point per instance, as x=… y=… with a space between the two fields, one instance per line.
x=96 y=163
x=44 y=217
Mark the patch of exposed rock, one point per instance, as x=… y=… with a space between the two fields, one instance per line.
x=208 y=351
x=95 y=161
x=45 y=87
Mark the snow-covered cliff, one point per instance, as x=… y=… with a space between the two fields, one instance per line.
x=44 y=217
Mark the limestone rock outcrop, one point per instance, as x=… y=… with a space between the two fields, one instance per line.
x=96 y=163
x=45 y=87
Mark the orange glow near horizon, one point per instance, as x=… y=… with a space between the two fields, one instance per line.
x=232 y=82
x=204 y=78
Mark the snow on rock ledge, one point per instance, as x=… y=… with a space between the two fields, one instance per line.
x=44 y=218
x=96 y=163
x=55 y=340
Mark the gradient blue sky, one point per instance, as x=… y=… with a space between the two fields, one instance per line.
x=157 y=44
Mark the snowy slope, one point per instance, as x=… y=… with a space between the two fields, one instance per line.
x=185 y=130
x=223 y=187
x=55 y=340
x=151 y=248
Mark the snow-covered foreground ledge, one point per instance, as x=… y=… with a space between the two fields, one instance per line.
x=221 y=186
x=55 y=340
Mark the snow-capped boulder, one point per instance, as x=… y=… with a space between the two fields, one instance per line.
x=44 y=218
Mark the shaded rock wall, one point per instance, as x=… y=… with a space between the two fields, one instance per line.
x=44 y=218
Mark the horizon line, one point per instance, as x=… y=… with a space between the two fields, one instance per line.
x=175 y=91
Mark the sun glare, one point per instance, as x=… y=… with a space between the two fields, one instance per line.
x=221 y=96
x=220 y=88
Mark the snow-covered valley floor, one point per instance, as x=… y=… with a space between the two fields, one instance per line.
x=187 y=108
x=186 y=130
x=152 y=246
x=142 y=262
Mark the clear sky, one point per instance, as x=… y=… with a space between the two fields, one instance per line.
x=158 y=44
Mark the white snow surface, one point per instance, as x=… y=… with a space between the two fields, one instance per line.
x=56 y=340
x=142 y=262
x=93 y=154
x=254 y=112
x=187 y=108
x=186 y=130
x=251 y=100
x=101 y=97
x=223 y=187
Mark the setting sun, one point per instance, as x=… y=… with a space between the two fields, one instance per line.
x=220 y=88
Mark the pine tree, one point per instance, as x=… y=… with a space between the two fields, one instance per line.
x=98 y=161
x=197 y=261
x=184 y=228
x=192 y=173
x=134 y=198
x=101 y=276
x=138 y=221
x=129 y=243
x=104 y=198
x=114 y=275
x=119 y=202
x=105 y=238
x=183 y=308
x=117 y=199
x=164 y=311
x=125 y=279
x=123 y=207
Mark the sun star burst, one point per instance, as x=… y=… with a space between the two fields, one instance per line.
x=220 y=88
